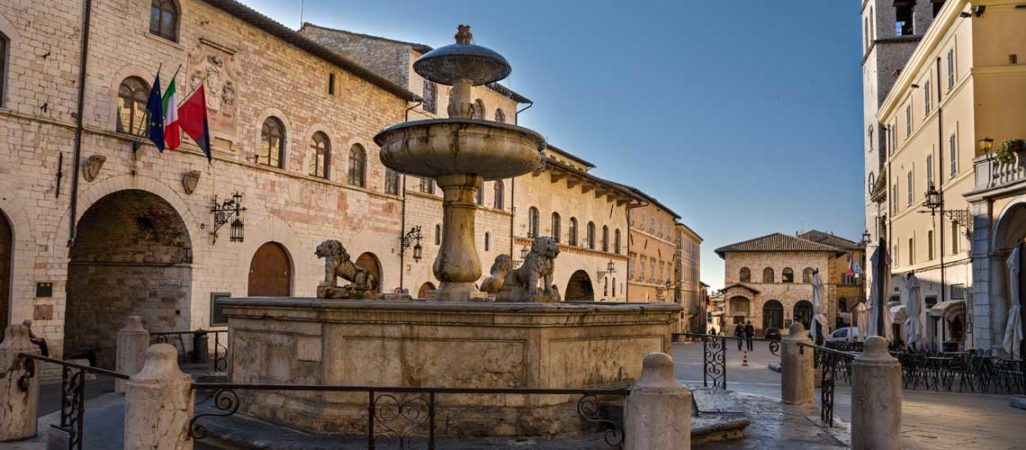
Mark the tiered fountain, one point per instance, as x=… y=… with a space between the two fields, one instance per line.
x=447 y=340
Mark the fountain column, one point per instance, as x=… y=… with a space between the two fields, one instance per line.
x=457 y=265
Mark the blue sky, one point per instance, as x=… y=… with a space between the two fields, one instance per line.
x=742 y=116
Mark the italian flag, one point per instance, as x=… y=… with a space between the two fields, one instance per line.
x=172 y=130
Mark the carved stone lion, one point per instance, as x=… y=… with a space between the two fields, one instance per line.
x=522 y=284
x=338 y=264
x=503 y=264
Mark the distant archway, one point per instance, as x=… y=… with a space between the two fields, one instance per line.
x=270 y=272
x=132 y=256
x=803 y=313
x=579 y=287
x=772 y=315
x=422 y=293
x=369 y=262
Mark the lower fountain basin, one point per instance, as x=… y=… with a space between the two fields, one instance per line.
x=434 y=148
x=438 y=344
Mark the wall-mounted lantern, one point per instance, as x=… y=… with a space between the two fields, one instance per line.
x=223 y=213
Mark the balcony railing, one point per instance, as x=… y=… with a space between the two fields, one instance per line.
x=992 y=174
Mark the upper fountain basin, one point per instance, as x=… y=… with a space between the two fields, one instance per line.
x=437 y=147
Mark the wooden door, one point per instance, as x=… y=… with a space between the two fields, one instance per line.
x=270 y=273
x=6 y=260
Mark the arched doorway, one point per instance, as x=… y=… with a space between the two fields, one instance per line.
x=6 y=261
x=1009 y=234
x=132 y=256
x=803 y=313
x=740 y=309
x=772 y=315
x=424 y=289
x=270 y=272
x=369 y=262
x=579 y=287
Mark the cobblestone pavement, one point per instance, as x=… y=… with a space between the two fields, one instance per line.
x=930 y=420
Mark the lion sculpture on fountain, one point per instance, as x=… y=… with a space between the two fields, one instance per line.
x=522 y=284
x=337 y=264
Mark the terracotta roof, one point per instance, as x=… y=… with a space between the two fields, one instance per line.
x=651 y=200
x=270 y=26
x=422 y=48
x=831 y=240
x=777 y=242
x=740 y=285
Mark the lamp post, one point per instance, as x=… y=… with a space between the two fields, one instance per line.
x=223 y=213
x=934 y=201
x=985 y=146
x=413 y=238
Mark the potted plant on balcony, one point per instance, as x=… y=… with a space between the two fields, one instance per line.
x=1009 y=150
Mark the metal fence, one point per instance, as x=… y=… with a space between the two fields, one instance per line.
x=193 y=346
x=714 y=354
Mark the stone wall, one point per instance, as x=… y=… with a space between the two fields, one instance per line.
x=788 y=294
x=652 y=244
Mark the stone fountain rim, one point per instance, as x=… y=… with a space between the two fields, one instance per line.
x=443 y=306
x=428 y=123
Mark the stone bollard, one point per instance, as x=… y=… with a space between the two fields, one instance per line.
x=18 y=398
x=658 y=411
x=796 y=368
x=133 y=340
x=159 y=403
x=876 y=398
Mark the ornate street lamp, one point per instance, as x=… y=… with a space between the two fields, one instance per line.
x=865 y=237
x=223 y=213
x=934 y=201
x=413 y=238
x=610 y=268
x=985 y=146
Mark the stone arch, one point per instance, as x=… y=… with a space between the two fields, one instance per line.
x=579 y=287
x=270 y=271
x=803 y=313
x=14 y=47
x=772 y=315
x=424 y=289
x=372 y=264
x=22 y=245
x=133 y=256
x=1009 y=231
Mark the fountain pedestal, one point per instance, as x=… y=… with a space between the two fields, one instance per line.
x=457 y=266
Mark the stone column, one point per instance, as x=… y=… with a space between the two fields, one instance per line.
x=797 y=374
x=876 y=398
x=658 y=411
x=159 y=403
x=133 y=340
x=457 y=266
x=18 y=399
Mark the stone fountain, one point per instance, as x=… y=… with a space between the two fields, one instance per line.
x=527 y=339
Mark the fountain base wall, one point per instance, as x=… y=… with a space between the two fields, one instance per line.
x=439 y=344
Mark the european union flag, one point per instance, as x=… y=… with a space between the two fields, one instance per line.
x=155 y=109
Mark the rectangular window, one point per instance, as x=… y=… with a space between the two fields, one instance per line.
x=929 y=170
x=391 y=182
x=427 y=185
x=331 y=84
x=911 y=251
x=953 y=154
x=908 y=120
x=910 y=188
x=903 y=18
x=958 y=292
x=929 y=244
x=217 y=316
x=430 y=98
x=951 y=69
x=956 y=238
x=3 y=67
x=927 y=99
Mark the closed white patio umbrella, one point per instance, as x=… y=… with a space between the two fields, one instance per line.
x=913 y=305
x=861 y=319
x=818 y=309
x=1013 y=328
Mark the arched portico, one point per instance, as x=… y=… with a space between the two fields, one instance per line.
x=579 y=287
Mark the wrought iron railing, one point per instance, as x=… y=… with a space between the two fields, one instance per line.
x=714 y=354
x=189 y=351
x=405 y=417
x=830 y=363
x=970 y=372
x=73 y=381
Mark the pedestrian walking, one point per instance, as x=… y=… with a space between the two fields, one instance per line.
x=739 y=333
x=749 y=335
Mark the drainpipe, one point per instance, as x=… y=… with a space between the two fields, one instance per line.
x=513 y=212
x=940 y=177
x=402 y=232
x=77 y=150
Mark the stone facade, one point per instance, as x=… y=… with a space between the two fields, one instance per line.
x=653 y=250
x=690 y=291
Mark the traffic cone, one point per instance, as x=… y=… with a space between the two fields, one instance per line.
x=744 y=361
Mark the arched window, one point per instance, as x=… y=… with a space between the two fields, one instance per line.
x=787 y=276
x=479 y=109
x=357 y=166
x=572 y=237
x=745 y=275
x=498 y=197
x=591 y=235
x=272 y=143
x=438 y=234
x=500 y=115
x=4 y=42
x=488 y=240
x=391 y=182
x=616 y=245
x=164 y=19
x=430 y=98
x=767 y=275
x=532 y=223
x=556 y=227
x=807 y=275
x=605 y=238
x=321 y=157
x=605 y=287
x=427 y=185
x=132 y=96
